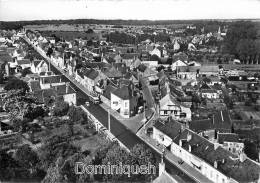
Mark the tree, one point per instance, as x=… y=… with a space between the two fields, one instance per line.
x=18 y=104
x=16 y=84
x=27 y=158
x=61 y=107
x=26 y=71
x=55 y=147
x=1 y=76
x=141 y=155
x=138 y=155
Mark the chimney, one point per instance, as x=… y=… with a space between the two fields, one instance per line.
x=242 y=157
x=67 y=87
x=189 y=136
x=215 y=164
x=7 y=69
x=180 y=143
x=161 y=165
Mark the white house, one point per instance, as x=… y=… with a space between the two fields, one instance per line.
x=123 y=101
x=209 y=94
x=169 y=106
x=38 y=66
x=157 y=52
x=178 y=63
x=47 y=82
x=91 y=78
x=231 y=142
x=25 y=63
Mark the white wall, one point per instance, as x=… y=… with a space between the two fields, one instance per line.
x=206 y=169
x=161 y=137
x=70 y=98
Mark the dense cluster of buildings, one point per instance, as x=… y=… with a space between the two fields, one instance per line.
x=198 y=119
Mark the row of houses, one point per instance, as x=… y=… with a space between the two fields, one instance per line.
x=215 y=160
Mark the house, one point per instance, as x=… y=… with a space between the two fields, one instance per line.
x=209 y=93
x=64 y=91
x=129 y=57
x=47 y=82
x=169 y=106
x=91 y=79
x=187 y=72
x=209 y=70
x=231 y=142
x=124 y=101
x=38 y=66
x=177 y=64
x=219 y=122
x=157 y=52
x=112 y=73
x=24 y=63
x=210 y=159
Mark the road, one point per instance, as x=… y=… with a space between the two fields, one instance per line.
x=123 y=134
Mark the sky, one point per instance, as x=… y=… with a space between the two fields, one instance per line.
x=15 y=10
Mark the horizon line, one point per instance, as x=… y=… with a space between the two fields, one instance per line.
x=198 y=19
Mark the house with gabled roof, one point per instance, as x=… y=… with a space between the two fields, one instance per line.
x=51 y=80
x=64 y=91
x=231 y=142
x=124 y=101
x=91 y=78
x=38 y=66
x=112 y=73
x=170 y=107
x=24 y=63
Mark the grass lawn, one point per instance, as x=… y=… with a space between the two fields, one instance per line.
x=91 y=143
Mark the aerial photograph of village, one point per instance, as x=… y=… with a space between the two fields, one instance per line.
x=142 y=91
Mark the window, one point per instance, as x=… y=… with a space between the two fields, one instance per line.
x=165 y=112
x=126 y=104
x=175 y=112
x=223 y=180
x=115 y=102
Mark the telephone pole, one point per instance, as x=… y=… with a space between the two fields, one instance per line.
x=109 y=129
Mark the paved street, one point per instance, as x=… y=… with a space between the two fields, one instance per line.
x=118 y=129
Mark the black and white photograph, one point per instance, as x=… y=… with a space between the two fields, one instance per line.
x=130 y=91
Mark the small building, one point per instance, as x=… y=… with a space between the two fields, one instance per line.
x=169 y=106
x=124 y=101
x=38 y=66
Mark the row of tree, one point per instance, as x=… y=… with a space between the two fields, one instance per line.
x=242 y=41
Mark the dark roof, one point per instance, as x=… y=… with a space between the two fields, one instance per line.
x=107 y=91
x=128 y=56
x=5 y=57
x=55 y=91
x=171 y=128
x=92 y=74
x=99 y=65
x=53 y=79
x=123 y=93
x=36 y=62
x=227 y=163
x=208 y=91
x=227 y=137
x=23 y=61
x=113 y=73
x=215 y=122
